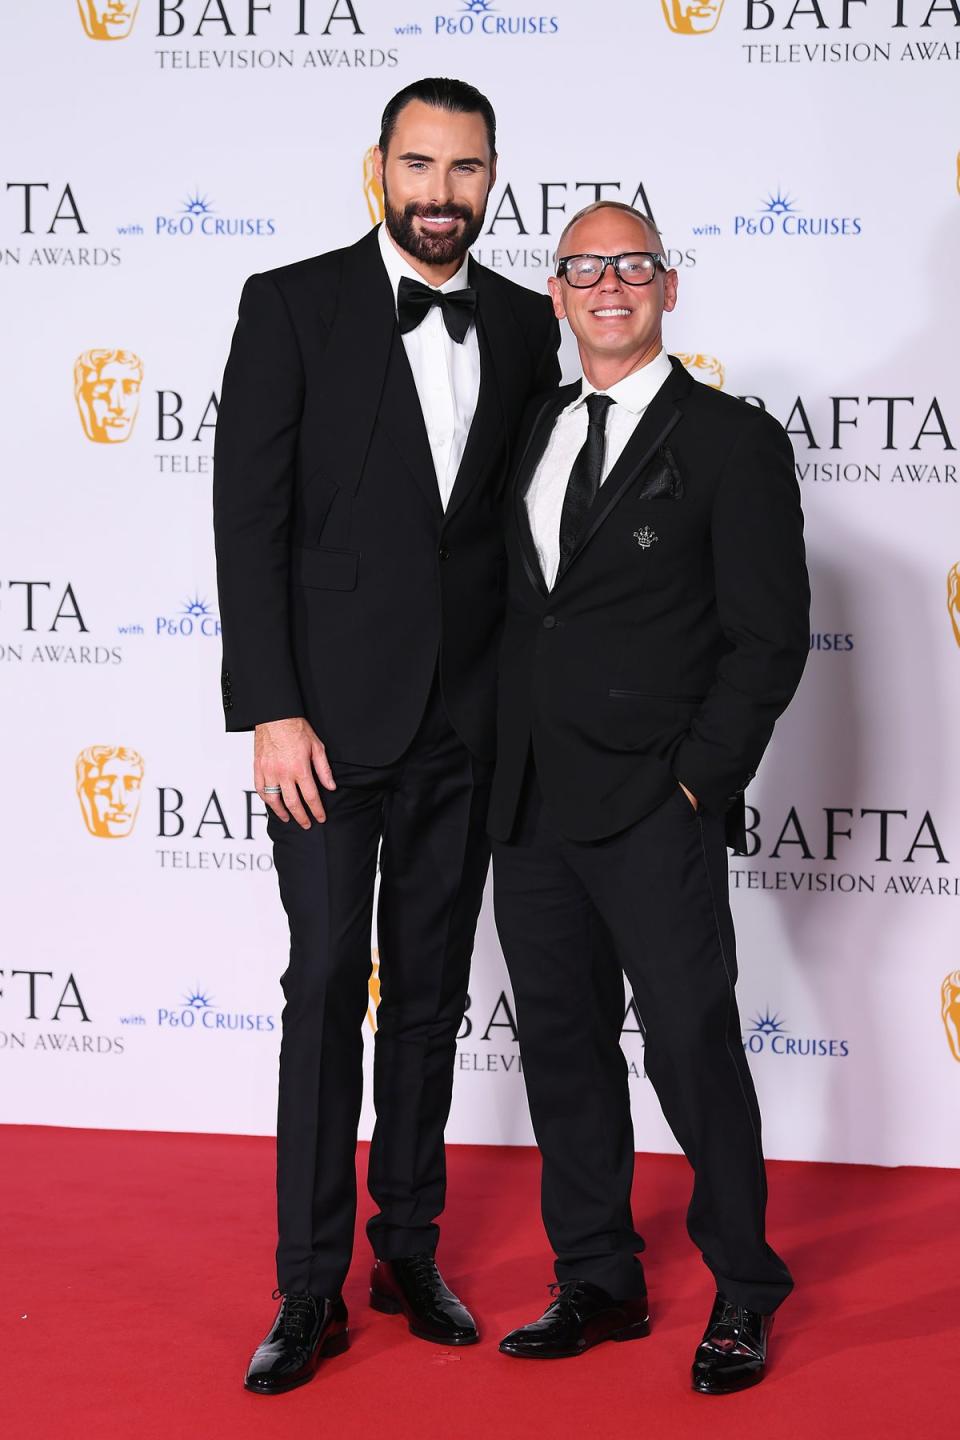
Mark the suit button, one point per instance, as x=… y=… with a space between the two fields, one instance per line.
x=444 y=553
x=549 y=621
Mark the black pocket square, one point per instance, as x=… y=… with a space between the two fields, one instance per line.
x=661 y=480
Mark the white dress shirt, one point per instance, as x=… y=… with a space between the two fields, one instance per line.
x=548 y=488
x=447 y=375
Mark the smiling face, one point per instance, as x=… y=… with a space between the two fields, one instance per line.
x=617 y=326
x=436 y=176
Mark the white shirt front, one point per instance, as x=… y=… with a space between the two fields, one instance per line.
x=548 y=488
x=447 y=375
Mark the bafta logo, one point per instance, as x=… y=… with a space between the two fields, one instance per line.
x=705 y=368
x=692 y=17
x=373 y=1002
x=950 y=1010
x=108 y=19
x=953 y=600
x=372 y=189
x=109 y=779
x=106 y=387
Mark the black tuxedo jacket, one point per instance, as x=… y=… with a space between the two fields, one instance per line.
x=342 y=582
x=677 y=632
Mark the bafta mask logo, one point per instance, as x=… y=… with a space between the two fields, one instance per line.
x=373 y=1002
x=108 y=19
x=109 y=780
x=953 y=600
x=692 y=17
x=372 y=189
x=950 y=1010
x=705 y=368
x=106 y=387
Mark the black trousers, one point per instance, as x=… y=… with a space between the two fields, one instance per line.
x=651 y=901
x=425 y=813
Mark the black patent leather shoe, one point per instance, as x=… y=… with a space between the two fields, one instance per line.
x=580 y=1316
x=414 y=1287
x=733 y=1352
x=307 y=1329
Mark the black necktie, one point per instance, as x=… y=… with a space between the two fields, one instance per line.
x=585 y=476
x=457 y=307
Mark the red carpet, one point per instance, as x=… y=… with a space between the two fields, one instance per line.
x=137 y=1277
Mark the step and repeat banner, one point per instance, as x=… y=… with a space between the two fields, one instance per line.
x=801 y=159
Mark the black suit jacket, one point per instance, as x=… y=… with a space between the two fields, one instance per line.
x=677 y=632
x=341 y=579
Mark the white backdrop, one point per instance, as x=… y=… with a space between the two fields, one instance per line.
x=802 y=162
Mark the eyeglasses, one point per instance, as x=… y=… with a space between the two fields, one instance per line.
x=637 y=267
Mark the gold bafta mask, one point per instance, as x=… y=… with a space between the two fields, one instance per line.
x=109 y=780
x=108 y=19
x=374 y=989
x=692 y=17
x=953 y=600
x=106 y=387
x=372 y=189
x=950 y=1010
x=705 y=368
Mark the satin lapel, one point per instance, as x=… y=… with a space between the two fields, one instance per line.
x=662 y=414
x=369 y=377
x=500 y=342
x=539 y=435
x=359 y=350
x=486 y=429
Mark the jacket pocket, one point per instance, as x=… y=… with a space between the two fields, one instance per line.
x=654 y=695
x=325 y=569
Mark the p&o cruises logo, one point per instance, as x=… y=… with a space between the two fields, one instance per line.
x=198 y=1011
x=482 y=17
x=769 y=1033
x=780 y=215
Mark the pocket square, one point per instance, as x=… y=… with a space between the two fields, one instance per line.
x=661 y=480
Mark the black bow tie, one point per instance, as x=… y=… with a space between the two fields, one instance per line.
x=458 y=307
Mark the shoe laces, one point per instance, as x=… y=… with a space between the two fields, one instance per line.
x=422 y=1269
x=299 y=1313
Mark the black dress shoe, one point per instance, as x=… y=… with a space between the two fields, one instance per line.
x=733 y=1351
x=414 y=1287
x=307 y=1329
x=581 y=1315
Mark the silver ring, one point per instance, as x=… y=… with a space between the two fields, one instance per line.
x=272 y=790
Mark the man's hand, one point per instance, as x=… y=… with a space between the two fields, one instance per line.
x=692 y=798
x=289 y=753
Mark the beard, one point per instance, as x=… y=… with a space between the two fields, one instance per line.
x=431 y=249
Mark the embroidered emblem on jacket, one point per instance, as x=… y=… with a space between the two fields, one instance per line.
x=645 y=537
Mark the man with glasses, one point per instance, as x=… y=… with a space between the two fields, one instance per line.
x=657 y=626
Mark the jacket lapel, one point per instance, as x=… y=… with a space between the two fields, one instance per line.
x=659 y=418
x=369 y=379
x=530 y=456
x=500 y=341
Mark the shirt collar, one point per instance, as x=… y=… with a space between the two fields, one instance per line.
x=635 y=391
x=397 y=266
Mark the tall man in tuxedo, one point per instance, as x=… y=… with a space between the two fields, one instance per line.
x=657 y=625
x=369 y=410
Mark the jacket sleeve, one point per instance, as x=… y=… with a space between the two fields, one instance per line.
x=254 y=458
x=763 y=601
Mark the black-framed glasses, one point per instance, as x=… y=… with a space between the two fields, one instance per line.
x=635 y=267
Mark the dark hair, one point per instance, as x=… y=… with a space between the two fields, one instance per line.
x=453 y=95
